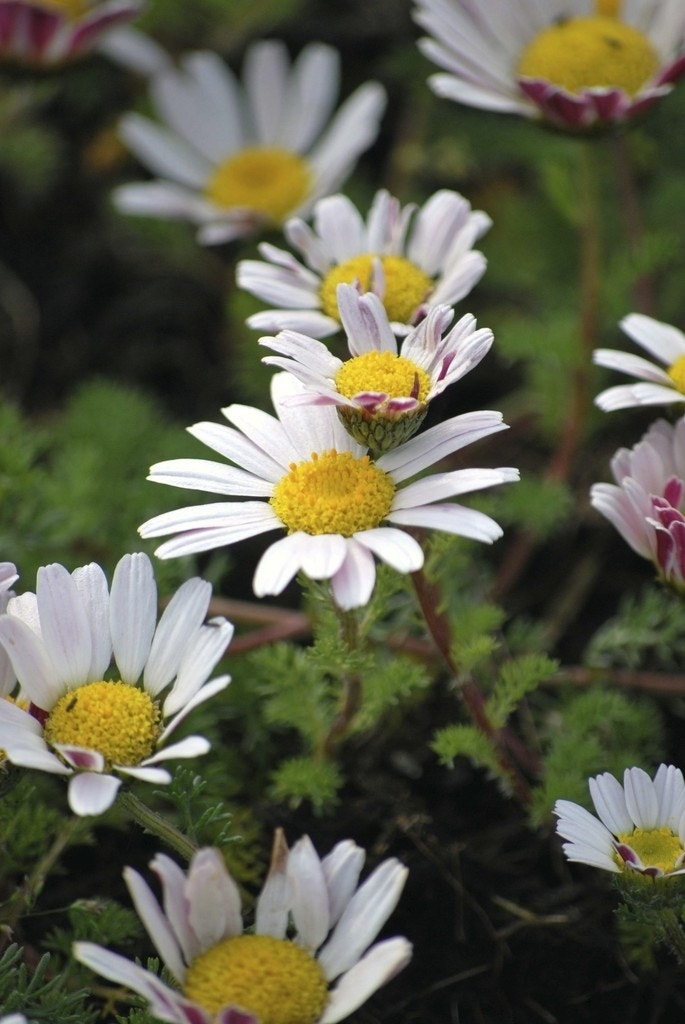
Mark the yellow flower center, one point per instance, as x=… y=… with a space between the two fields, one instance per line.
x=71 y=8
x=385 y=372
x=335 y=492
x=116 y=719
x=273 y=979
x=406 y=286
x=656 y=847
x=595 y=52
x=270 y=180
x=677 y=374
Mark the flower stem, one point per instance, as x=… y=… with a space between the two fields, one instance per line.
x=511 y=754
x=153 y=822
x=27 y=894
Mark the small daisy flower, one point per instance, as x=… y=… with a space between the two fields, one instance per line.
x=641 y=827
x=313 y=929
x=80 y=724
x=413 y=259
x=381 y=393
x=658 y=386
x=576 y=64
x=235 y=160
x=52 y=31
x=339 y=506
x=647 y=502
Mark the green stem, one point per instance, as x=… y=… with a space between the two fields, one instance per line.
x=590 y=256
x=153 y=822
x=25 y=897
x=673 y=934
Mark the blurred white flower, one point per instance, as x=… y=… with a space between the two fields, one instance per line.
x=234 y=158
x=576 y=64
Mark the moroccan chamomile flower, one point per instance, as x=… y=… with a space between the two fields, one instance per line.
x=339 y=506
x=227 y=976
x=641 y=826
x=383 y=390
x=412 y=258
x=657 y=386
x=94 y=662
x=235 y=159
x=48 y=32
x=576 y=64
x=647 y=502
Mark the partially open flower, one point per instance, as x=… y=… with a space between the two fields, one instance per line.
x=383 y=390
x=272 y=975
x=233 y=159
x=576 y=64
x=647 y=503
x=47 y=32
x=641 y=827
x=87 y=719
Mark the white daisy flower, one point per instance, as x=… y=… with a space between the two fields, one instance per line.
x=413 y=259
x=659 y=386
x=339 y=506
x=647 y=502
x=382 y=392
x=45 y=32
x=80 y=724
x=234 y=160
x=227 y=976
x=641 y=827
x=576 y=64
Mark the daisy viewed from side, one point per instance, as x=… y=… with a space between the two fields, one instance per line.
x=382 y=392
x=657 y=386
x=88 y=719
x=313 y=929
x=641 y=826
x=576 y=64
x=338 y=506
x=412 y=258
x=647 y=502
x=236 y=159
x=46 y=32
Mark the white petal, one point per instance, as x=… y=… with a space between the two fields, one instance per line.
x=609 y=800
x=64 y=625
x=380 y=964
x=92 y=793
x=207 y=691
x=353 y=583
x=214 y=899
x=173 y=881
x=202 y=653
x=156 y=923
x=180 y=620
x=309 y=906
x=341 y=868
x=30 y=662
x=362 y=919
x=163 y=152
x=465 y=522
x=133 y=614
x=662 y=340
x=395 y=547
x=642 y=801
x=91 y=584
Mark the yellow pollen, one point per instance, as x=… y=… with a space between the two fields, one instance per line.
x=656 y=847
x=677 y=374
x=273 y=979
x=406 y=286
x=270 y=180
x=392 y=375
x=335 y=492
x=116 y=719
x=609 y=8
x=595 y=52
x=71 y=8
